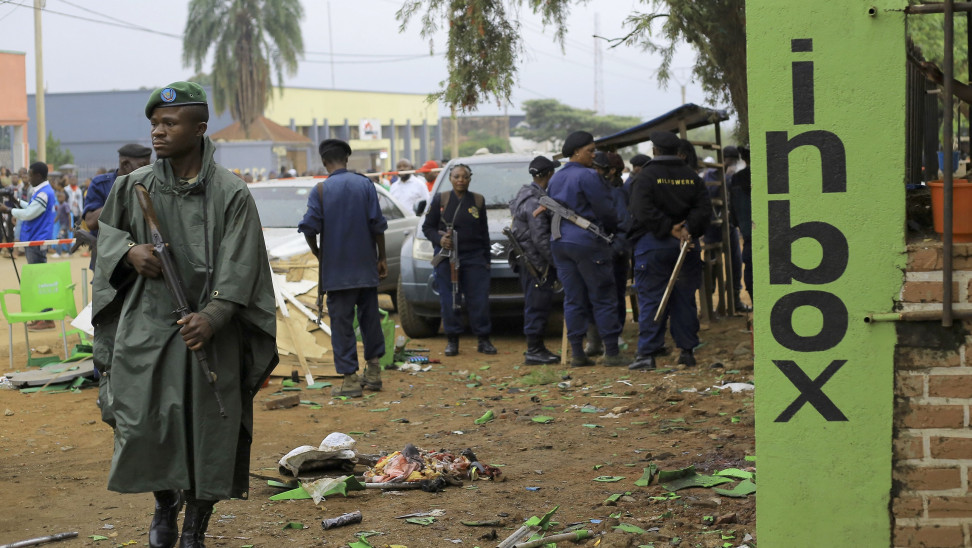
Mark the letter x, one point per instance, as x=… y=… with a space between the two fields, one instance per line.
x=810 y=390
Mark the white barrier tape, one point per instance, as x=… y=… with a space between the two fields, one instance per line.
x=37 y=243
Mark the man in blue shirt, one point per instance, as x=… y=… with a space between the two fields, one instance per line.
x=37 y=215
x=585 y=262
x=130 y=158
x=343 y=209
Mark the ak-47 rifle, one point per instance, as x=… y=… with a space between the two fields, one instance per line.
x=173 y=282
x=560 y=212
x=453 y=256
x=531 y=268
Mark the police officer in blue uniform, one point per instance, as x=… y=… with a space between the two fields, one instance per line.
x=463 y=214
x=669 y=205
x=585 y=262
x=130 y=157
x=532 y=232
x=344 y=210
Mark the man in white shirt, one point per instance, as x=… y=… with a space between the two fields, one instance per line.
x=408 y=189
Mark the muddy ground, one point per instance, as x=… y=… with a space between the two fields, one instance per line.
x=607 y=422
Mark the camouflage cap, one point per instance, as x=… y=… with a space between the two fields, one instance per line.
x=176 y=94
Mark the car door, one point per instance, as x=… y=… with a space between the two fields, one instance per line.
x=400 y=225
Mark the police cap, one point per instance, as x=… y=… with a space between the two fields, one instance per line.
x=176 y=94
x=639 y=160
x=664 y=139
x=601 y=159
x=330 y=144
x=576 y=140
x=730 y=152
x=133 y=150
x=542 y=164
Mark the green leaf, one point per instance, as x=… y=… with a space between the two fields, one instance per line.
x=592 y=426
x=735 y=473
x=609 y=479
x=741 y=490
x=735 y=419
x=645 y=479
x=695 y=480
x=293 y=494
x=294 y=525
x=487 y=416
x=543 y=419
x=428 y=520
x=542 y=522
x=96 y=538
x=379 y=410
x=628 y=528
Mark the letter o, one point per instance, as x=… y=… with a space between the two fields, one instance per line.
x=834 y=321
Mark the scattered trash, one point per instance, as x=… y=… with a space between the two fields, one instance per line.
x=487 y=523
x=283 y=403
x=532 y=488
x=433 y=469
x=735 y=386
x=336 y=451
x=342 y=520
x=294 y=525
x=487 y=416
x=326 y=487
x=8 y=413
x=427 y=520
x=543 y=419
x=436 y=513
x=609 y=479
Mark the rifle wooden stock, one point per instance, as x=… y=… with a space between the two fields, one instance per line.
x=671 y=283
x=173 y=282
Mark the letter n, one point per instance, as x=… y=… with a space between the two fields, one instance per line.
x=833 y=159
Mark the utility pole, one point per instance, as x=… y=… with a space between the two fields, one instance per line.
x=455 y=134
x=598 y=67
x=330 y=39
x=39 y=93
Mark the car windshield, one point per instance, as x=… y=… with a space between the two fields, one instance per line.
x=281 y=206
x=498 y=182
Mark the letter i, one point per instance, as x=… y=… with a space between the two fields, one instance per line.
x=802 y=83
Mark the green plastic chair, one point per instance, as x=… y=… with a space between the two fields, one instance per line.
x=42 y=286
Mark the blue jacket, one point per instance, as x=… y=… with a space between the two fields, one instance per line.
x=97 y=193
x=582 y=190
x=41 y=227
x=349 y=220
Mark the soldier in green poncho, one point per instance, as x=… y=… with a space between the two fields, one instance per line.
x=169 y=436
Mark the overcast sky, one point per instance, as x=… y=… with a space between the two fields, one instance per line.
x=142 y=47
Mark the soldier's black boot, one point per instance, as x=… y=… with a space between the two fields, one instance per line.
x=194 y=527
x=164 y=531
x=537 y=354
x=452 y=345
x=594 y=347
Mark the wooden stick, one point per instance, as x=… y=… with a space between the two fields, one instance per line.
x=576 y=535
x=671 y=282
x=41 y=540
x=300 y=351
x=306 y=311
x=522 y=533
x=563 y=345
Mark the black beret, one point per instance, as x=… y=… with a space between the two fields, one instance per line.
x=576 y=140
x=329 y=144
x=542 y=164
x=639 y=160
x=664 y=139
x=730 y=152
x=601 y=159
x=176 y=94
x=132 y=150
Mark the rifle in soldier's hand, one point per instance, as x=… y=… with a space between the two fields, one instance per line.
x=531 y=268
x=173 y=281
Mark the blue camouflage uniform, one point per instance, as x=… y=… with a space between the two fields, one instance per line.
x=94 y=198
x=468 y=218
x=349 y=220
x=533 y=234
x=584 y=262
x=664 y=193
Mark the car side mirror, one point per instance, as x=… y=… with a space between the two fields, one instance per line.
x=420 y=207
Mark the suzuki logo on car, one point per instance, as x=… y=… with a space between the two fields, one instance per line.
x=497 y=249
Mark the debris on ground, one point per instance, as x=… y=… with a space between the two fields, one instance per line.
x=336 y=452
x=342 y=520
x=414 y=465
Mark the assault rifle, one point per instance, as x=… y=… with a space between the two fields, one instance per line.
x=173 y=282
x=531 y=268
x=560 y=213
x=453 y=256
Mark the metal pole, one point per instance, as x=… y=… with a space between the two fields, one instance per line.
x=949 y=70
x=39 y=93
x=937 y=7
x=455 y=134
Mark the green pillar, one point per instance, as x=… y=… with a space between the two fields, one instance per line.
x=827 y=128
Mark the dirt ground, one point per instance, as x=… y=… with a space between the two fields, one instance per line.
x=606 y=422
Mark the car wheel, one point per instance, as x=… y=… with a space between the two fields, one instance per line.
x=414 y=326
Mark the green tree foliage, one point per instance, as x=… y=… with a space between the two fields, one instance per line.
x=56 y=156
x=551 y=120
x=482 y=139
x=928 y=33
x=251 y=41
x=484 y=43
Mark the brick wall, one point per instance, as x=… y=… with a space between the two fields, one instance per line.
x=932 y=474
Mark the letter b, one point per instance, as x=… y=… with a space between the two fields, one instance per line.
x=833 y=263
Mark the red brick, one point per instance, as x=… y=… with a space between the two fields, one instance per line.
x=906 y=358
x=934 y=416
x=909 y=386
x=907 y=507
x=929 y=536
x=909 y=447
x=925 y=259
x=930 y=479
x=926 y=292
x=950 y=507
x=950 y=448
x=950 y=386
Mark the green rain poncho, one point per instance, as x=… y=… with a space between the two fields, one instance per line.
x=168 y=431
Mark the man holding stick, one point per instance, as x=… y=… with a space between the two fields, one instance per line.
x=170 y=437
x=669 y=206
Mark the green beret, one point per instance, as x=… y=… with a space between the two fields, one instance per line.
x=176 y=94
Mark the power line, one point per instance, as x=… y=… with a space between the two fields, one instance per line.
x=372 y=61
x=100 y=21
x=106 y=16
